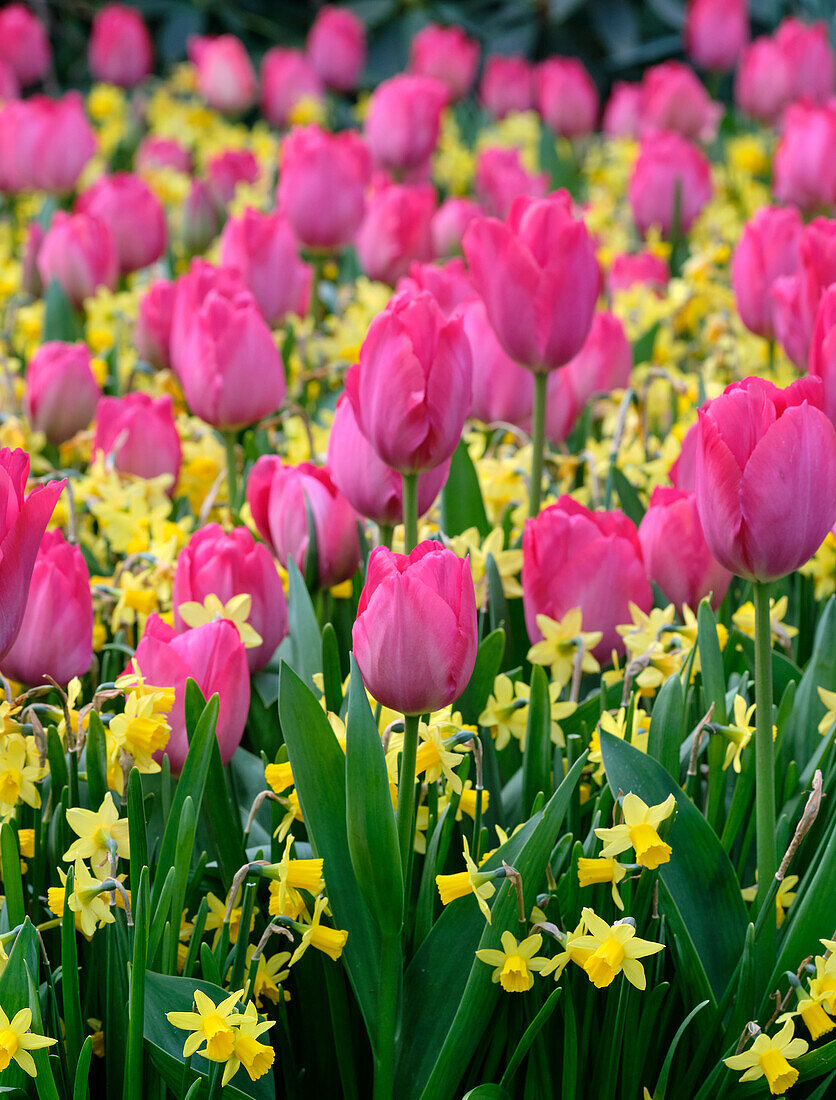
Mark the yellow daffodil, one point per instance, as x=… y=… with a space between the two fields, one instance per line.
x=823 y=986
x=330 y=941
x=269 y=975
x=591 y=872
x=770 y=1058
x=434 y=757
x=516 y=964
x=18 y=775
x=505 y=713
x=560 y=644
x=88 y=901
x=739 y=732
x=782 y=633
x=237 y=611
x=255 y=1057
x=289 y=877
x=279 y=776
x=639 y=832
x=829 y=700
x=472 y=881
x=210 y=1024
x=94 y=830
x=16 y=1040
x=615 y=949
x=783 y=899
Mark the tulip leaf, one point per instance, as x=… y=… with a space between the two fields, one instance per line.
x=711 y=662
x=643 y=347
x=665 y=734
x=699 y=892
x=474 y=698
x=332 y=681
x=222 y=819
x=70 y=985
x=537 y=754
x=319 y=771
x=462 y=506
x=630 y=501
x=488 y=1092
x=301 y=650
x=61 y=322
x=808 y=708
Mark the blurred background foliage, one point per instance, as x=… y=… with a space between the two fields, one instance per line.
x=616 y=39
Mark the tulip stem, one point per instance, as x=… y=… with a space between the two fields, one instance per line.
x=384 y=532
x=384 y=1055
x=406 y=794
x=764 y=769
x=231 y=470
x=410 y=511
x=538 y=441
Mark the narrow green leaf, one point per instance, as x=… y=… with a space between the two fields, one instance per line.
x=497 y=604
x=462 y=506
x=82 y=1072
x=14 y=990
x=531 y=1033
x=474 y=698
x=70 y=979
x=629 y=499
x=711 y=662
x=311 y=551
x=61 y=322
x=222 y=820
x=537 y=753
x=808 y=710
x=137 y=829
x=44 y=1080
x=182 y=862
x=302 y=648
x=96 y=756
x=59 y=777
x=136 y=1005
x=12 y=881
x=331 y=674
x=662 y=1083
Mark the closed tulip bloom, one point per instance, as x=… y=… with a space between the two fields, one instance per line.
x=573 y=557
x=262 y=247
x=134 y=215
x=763 y=81
x=162 y=152
x=449 y=283
x=57 y=141
x=336 y=47
x=152 y=335
x=24 y=44
x=279 y=496
x=795 y=298
x=80 y=253
x=229 y=564
x=716 y=32
x=199 y=218
x=683 y=473
x=120 y=50
x=767 y=249
x=22 y=525
x=61 y=390
x=446 y=54
x=507 y=85
x=212 y=655
x=415 y=633
x=411 y=390
x=804 y=169
x=371 y=487
x=675 y=551
x=675 y=99
x=231 y=372
x=538 y=277
x=502 y=389
x=629 y=268
x=396 y=229
x=623 y=112
x=287 y=79
x=139 y=434
x=225 y=74
x=668 y=162
x=766 y=476
x=56 y=635
x=403 y=120
x=501 y=176
x=566 y=96
x=809 y=56
x=226 y=170
x=9 y=86
x=448 y=225
x=823 y=350
x=322 y=185
x=191 y=291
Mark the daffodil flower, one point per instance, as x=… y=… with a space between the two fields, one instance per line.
x=829 y=700
x=639 y=832
x=462 y=883
x=517 y=962
x=255 y=1057
x=783 y=899
x=330 y=941
x=210 y=1024
x=237 y=611
x=560 y=644
x=770 y=1058
x=594 y=871
x=615 y=949
x=16 y=1040
x=94 y=830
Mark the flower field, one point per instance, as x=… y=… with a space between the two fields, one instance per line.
x=417 y=568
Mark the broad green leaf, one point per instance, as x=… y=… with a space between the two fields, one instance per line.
x=136 y=1004
x=14 y=989
x=70 y=978
x=474 y=698
x=302 y=648
x=12 y=882
x=487 y=1092
x=808 y=708
x=462 y=506
x=665 y=736
x=629 y=499
x=331 y=673
x=61 y=322
x=222 y=820
x=643 y=347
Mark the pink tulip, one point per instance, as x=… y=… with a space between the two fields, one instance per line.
x=80 y=253
x=322 y=185
x=763 y=82
x=287 y=78
x=227 y=169
x=192 y=290
x=231 y=372
x=138 y=434
x=134 y=215
x=675 y=551
x=823 y=350
x=795 y=298
x=44 y=143
x=61 y=390
x=228 y=564
x=225 y=74
x=507 y=85
x=214 y=657
x=24 y=44
x=667 y=163
x=161 y=152
x=502 y=389
x=17 y=146
x=152 y=335
x=592 y=560
x=809 y=56
x=716 y=32
x=449 y=223
x=403 y=120
x=9 y=86
x=23 y=521
x=623 y=112
x=683 y=473
x=262 y=247
x=804 y=167
x=766 y=476
x=445 y=54
x=370 y=486
x=674 y=98
x=395 y=230
x=280 y=496
x=501 y=176
x=415 y=633
x=411 y=390
x=120 y=50
x=767 y=249
x=336 y=47
x=56 y=634
x=199 y=218
x=448 y=283
x=566 y=96
x=539 y=278
x=629 y=268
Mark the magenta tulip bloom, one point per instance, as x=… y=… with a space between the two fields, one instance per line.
x=501 y=176
x=225 y=75
x=192 y=290
x=226 y=170
x=80 y=253
x=823 y=351
x=214 y=657
x=539 y=278
x=24 y=43
x=763 y=82
x=279 y=497
x=263 y=248
x=415 y=634
x=446 y=54
x=120 y=50
x=507 y=85
x=809 y=57
x=228 y=564
x=449 y=223
x=795 y=298
x=674 y=98
x=152 y=335
x=56 y=635
x=766 y=476
x=573 y=557
x=287 y=78
x=61 y=390
x=676 y=553
x=139 y=434
x=667 y=163
x=336 y=47
x=448 y=283
x=629 y=268
x=502 y=389
x=411 y=390
x=23 y=520
x=566 y=96
x=134 y=214
x=396 y=229
x=767 y=249
x=804 y=169
x=162 y=152
x=403 y=121
x=716 y=32
x=623 y=112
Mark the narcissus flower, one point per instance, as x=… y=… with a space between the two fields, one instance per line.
x=783 y=899
x=829 y=700
x=255 y=1057
x=517 y=963
x=92 y=910
x=593 y=871
x=615 y=949
x=330 y=941
x=560 y=644
x=770 y=1058
x=462 y=883
x=95 y=829
x=639 y=831
x=16 y=1040
x=210 y=1024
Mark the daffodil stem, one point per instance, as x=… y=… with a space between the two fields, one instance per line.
x=410 y=511
x=384 y=1059
x=406 y=795
x=538 y=441
x=764 y=768
x=231 y=469
x=215 y=1080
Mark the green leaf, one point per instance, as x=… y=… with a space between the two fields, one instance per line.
x=331 y=674
x=497 y=604
x=462 y=506
x=662 y=1083
x=631 y=503
x=808 y=709
x=12 y=882
x=137 y=829
x=699 y=892
x=61 y=322
x=643 y=347
x=44 y=1080
x=665 y=736
x=302 y=648
x=474 y=698
x=537 y=754
x=70 y=978
x=132 y=1089
x=59 y=777
x=711 y=662
x=222 y=820
x=82 y=1072
x=14 y=989
x=96 y=757
x=488 y=1092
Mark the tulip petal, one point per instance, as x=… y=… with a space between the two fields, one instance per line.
x=718 y=480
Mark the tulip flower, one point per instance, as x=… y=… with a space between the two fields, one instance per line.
x=44 y=143
x=280 y=496
x=796 y=297
x=403 y=121
x=715 y=32
x=446 y=54
x=336 y=47
x=61 y=390
x=212 y=655
x=763 y=82
x=767 y=249
x=809 y=57
x=501 y=176
x=502 y=389
x=199 y=218
x=226 y=170
x=804 y=169
x=566 y=96
x=134 y=216
x=24 y=44
x=152 y=335
x=823 y=351
x=623 y=112
x=226 y=565
x=449 y=223
x=120 y=50
x=192 y=290
x=507 y=85
x=673 y=98
x=22 y=525
x=162 y=152
x=669 y=165
x=56 y=635
x=629 y=268
x=263 y=249
x=138 y=434
x=395 y=231
x=449 y=283
x=287 y=79
x=225 y=75
x=80 y=253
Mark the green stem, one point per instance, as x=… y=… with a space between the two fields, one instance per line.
x=410 y=510
x=538 y=441
x=317 y=304
x=406 y=792
x=384 y=532
x=231 y=469
x=387 y=1017
x=770 y=356
x=764 y=769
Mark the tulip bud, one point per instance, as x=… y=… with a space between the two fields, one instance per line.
x=448 y=283
x=403 y=121
x=395 y=231
x=804 y=169
x=566 y=96
x=287 y=78
x=138 y=433
x=763 y=82
x=134 y=215
x=336 y=48
x=226 y=170
x=61 y=390
x=823 y=350
x=79 y=252
x=667 y=165
x=767 y=249
x=623 y=112
x=263 y=249
x=501 y=176
x=809 y=58
x=191 y=291
x=795 y=298
x=161 y=152
x=673 y=98
x=24 y=44
x=445 y=54
x=507 y=85
x=59 y=143
x=225 y=75
x=198 y=218
x=629 y=268
x=120 y=50
x=152 y=336
x=716 y=32
x=448 y=225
